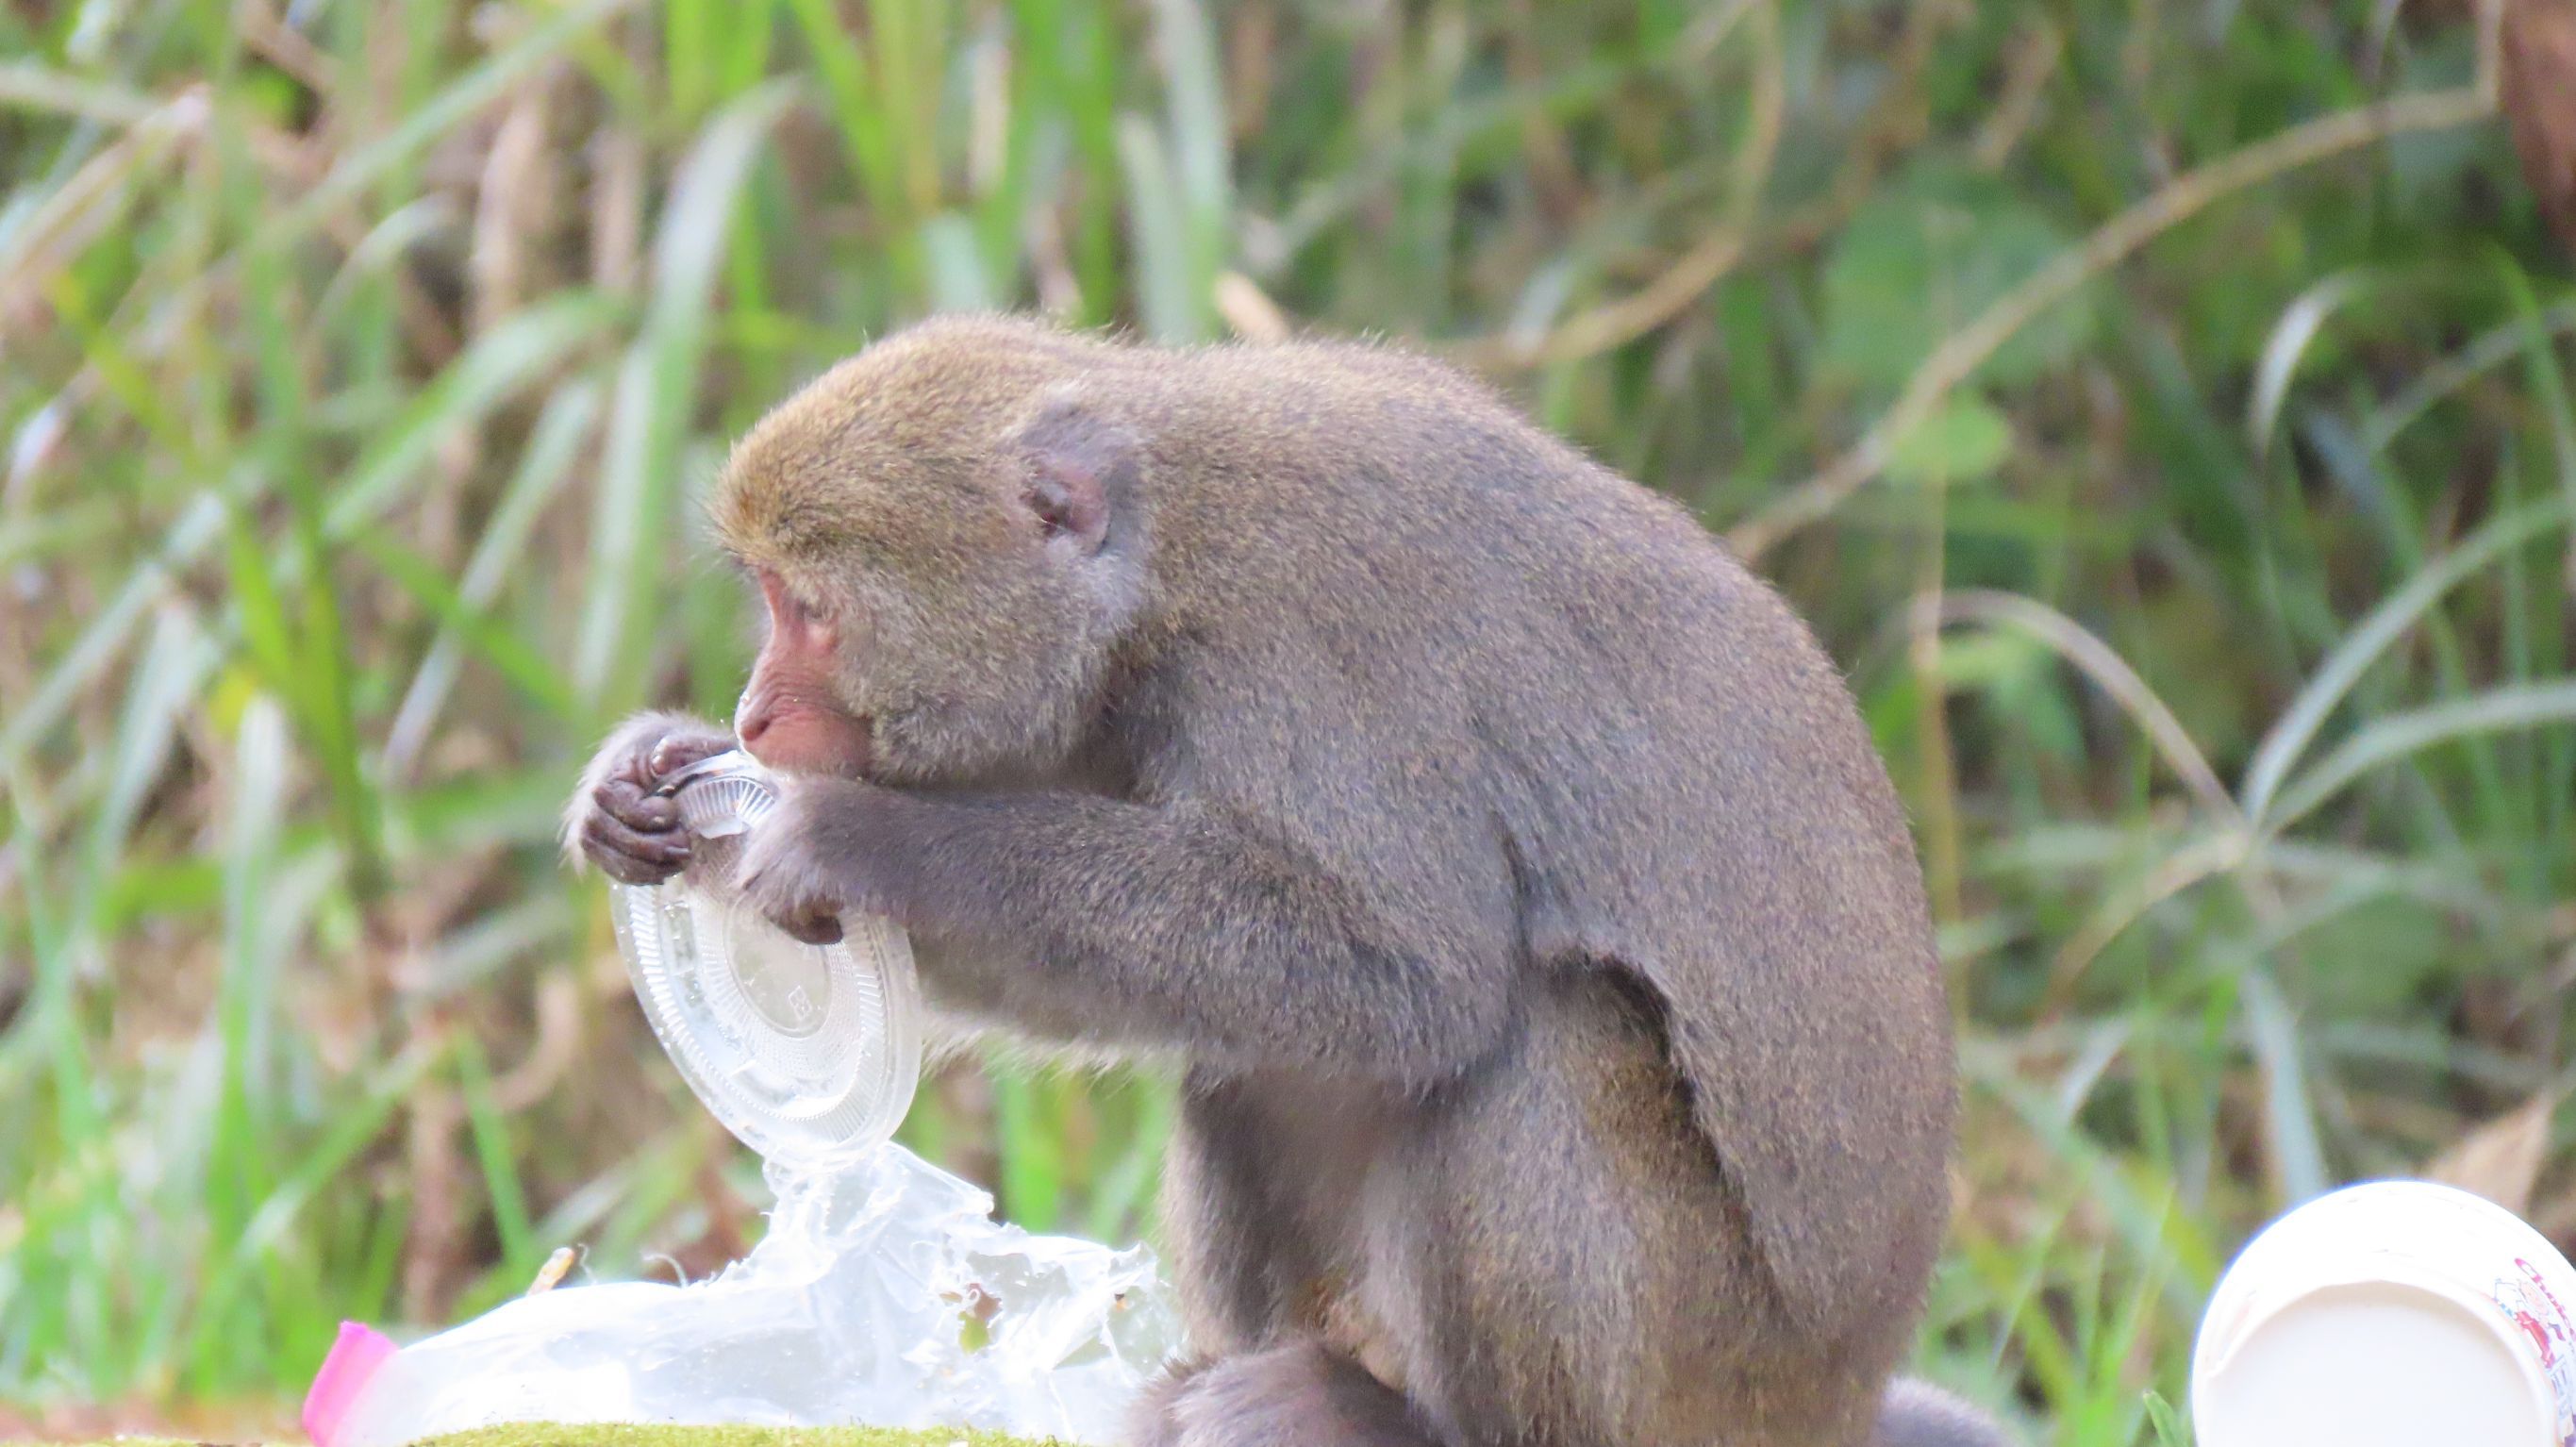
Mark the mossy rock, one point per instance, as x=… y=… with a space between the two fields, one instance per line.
x=632 y=1435
x=614 y=1434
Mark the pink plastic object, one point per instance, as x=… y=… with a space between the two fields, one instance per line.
x=345 y=1373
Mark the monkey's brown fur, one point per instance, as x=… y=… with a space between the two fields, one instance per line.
x=1567 y=1055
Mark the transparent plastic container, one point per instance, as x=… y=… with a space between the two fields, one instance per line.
x=884 y=1296
x=809 y=1053
x=883 y=1293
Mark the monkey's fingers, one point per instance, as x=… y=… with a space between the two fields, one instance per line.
x=677 y=751
x=786 y=898
x=626 y=801
x=629 y=855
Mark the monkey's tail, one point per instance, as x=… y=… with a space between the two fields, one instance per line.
x=1918 y=1414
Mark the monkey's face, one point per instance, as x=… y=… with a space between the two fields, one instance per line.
x=946 y=552
x=875 y=673
x=799 y=712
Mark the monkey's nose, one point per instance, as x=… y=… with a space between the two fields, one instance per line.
x=752 y=719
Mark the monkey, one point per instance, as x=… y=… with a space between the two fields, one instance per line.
x=1564 y=1055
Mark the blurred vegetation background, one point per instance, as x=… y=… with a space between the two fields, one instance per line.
x=2163 y=408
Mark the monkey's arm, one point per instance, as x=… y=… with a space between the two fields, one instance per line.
x=1149 y=923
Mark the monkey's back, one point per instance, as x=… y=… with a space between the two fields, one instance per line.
x=1600 y=739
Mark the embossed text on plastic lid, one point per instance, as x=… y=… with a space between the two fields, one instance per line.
x=809 y=1053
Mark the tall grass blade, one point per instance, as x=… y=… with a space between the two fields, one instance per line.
x=96 y=645
x=2297 y=727
x=531 y=344
x=451 y=106
x=1176 y=308
x=2392 y=737
x=2291 y=336
x=632 y=519
x=562 y=432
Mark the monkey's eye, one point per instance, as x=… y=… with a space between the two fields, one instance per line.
x=788 y=612
x=784 y=606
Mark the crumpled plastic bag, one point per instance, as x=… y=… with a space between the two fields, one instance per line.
x=884 y=1295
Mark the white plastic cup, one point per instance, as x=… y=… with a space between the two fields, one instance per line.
x=2390 y=1314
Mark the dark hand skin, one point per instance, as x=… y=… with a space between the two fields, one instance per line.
x=617 y=820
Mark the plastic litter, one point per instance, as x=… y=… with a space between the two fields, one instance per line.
x=883 y=1293
x=808 y=1053
x=2388 y=1314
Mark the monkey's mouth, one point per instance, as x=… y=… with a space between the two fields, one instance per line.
x=811 y=741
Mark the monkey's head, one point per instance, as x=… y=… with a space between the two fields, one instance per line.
x=949 y=535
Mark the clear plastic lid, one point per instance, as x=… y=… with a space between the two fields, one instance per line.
x=809 y=1053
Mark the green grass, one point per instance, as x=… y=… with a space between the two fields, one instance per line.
x=2177 y=452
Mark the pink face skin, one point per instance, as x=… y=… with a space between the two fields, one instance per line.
x=791 y=717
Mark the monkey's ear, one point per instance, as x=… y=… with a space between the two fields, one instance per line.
x=1081 y=470
x=1070 y=503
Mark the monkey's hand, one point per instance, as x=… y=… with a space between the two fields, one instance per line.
x=818 y=853
x=615 y=819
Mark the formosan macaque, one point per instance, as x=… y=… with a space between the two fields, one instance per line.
x=1566 y=1059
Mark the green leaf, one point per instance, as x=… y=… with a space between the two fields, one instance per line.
x=458 y=102
x=1963 y=440
x=1923 y=258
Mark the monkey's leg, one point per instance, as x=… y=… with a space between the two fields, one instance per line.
x=1235 y=1249
x=1297 y=1395
x=1557 y=1254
